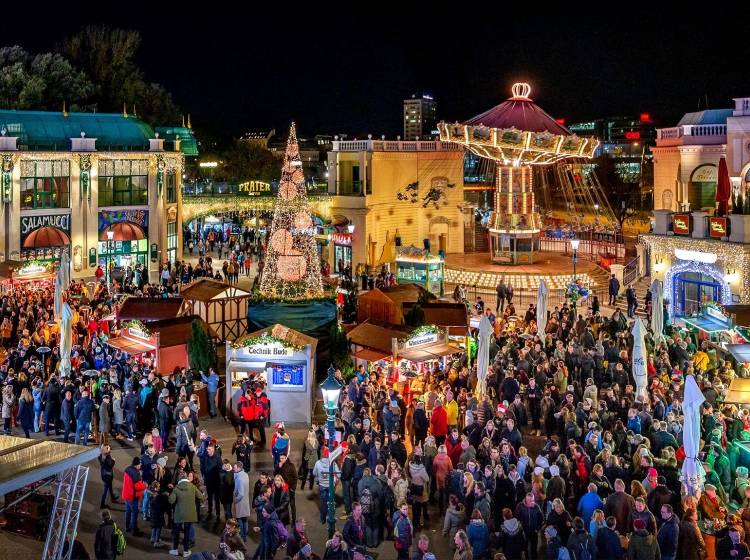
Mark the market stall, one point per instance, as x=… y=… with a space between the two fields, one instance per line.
x=148 y=309
x=284 y=359
x=373 y=343
x=421 y=267
x=221 y=306
x=420 y=352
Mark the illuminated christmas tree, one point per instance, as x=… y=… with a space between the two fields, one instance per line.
x=292 y=267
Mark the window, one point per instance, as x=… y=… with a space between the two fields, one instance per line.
x=123 y=182
x=171 y=187
x=45 y=184
x=172 y=241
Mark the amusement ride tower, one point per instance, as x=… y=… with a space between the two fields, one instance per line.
x=517 y=135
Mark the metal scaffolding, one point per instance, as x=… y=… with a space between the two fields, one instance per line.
x=71 y=485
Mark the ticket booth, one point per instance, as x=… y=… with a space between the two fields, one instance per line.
x=285 y=360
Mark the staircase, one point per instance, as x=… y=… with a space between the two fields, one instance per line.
x=641 y=287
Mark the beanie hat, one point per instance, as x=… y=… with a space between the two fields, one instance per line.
x=554 y=470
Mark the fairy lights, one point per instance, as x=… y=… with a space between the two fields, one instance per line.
x=292 y=268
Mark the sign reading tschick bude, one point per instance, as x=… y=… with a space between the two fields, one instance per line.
x=30 y=224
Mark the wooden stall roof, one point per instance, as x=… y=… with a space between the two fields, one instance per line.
x=444 y=314
x=177 y=330
x=285 y=333
x=400 y=293
x=739 y=391
x=374 y=336
x=149 y=309
x=207 y=289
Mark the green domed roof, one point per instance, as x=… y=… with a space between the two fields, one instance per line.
x=46 y=130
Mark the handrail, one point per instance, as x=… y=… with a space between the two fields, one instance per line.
x=630 y=272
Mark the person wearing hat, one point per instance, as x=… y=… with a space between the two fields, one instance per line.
x=643 y=544
x=132 y=491
x=280 y=444
x=105 y=420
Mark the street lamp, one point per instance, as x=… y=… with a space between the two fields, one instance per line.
x=110 y=236
x=574 y=296
x=331 y=389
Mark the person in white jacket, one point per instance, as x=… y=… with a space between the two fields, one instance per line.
x=242 y=507
x=322 y=476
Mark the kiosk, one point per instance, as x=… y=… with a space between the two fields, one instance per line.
x=421 y=267
x=285 y=360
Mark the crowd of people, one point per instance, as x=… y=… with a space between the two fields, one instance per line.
x=557 y=458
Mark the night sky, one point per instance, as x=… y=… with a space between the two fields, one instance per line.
x=237 y=70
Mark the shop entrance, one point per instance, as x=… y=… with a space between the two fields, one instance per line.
x=691 y=290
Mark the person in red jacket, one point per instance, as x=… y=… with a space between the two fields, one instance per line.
x=453 y=446
x=439 y=423
x=262 y=413
x=132 y=490
x=246 y=412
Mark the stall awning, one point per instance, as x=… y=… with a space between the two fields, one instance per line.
x=417 y=356
x=443 y=350
x=123 y=231
x=24 y=461
x=740 y=352
x=706 y=324
x=739 y=392
x=370 y=355
x=246 y=366
x=130 y=345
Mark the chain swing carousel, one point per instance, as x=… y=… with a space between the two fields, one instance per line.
x=520 y=138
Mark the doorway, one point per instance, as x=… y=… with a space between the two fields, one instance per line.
x=693 y=289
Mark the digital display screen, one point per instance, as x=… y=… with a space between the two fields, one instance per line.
x=287 y=375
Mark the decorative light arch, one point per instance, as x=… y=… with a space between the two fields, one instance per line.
x=702 y=268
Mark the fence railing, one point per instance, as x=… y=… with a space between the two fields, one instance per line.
x=522 y=298
x=587 y=248
x=630 y=272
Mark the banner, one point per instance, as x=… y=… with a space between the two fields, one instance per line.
x=681 y=224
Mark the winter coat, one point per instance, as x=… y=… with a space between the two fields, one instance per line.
x=531 y=519
x=226 y=487
x=353 y=532
x=454 y=520
x=105 y=419
x=83 y=410
x=418 y=477
x=643 y=546
x=183 y=498
x=26 y=414
x=578 y=541
x=66 y=411
x=105 y=542
x=280 y=501
x=668 y=537
x=608 y=545
x=441 y=467
x=589 y=502
x=118 y=413
x=725 y=547
x=479 y=538
x=311 y=454
x=242 y=495
x=185 y=432
x=132 y=484
x=8 y=402
x=400 y=491
x=439 y=422
x=619 y=505
x=646 y=516
x=512 y=539
x=690 y=542
x=483 y=504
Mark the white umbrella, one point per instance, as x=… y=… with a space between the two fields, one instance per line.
x=692 y=471
x=542 y=296
x=657 y=311
x=639 y=358
x=59 y=290
x=483 y=353
x=66 y=338
x=65 y=269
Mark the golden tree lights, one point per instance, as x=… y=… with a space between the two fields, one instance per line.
x=292 y=267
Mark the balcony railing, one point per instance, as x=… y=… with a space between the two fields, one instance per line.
x=222 y=189
x=349 y=188
x=693 y=134
x=394 y=146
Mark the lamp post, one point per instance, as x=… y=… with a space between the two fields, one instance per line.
x=331 y=389
x=574 y=296
x=110 y=236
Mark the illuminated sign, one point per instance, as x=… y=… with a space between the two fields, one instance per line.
x=431 y=338
x=633 y=135
x=270 y=350
x=254 y=188
x=697 y=256
x=705 y=174
x=341 y=238
x=138 y=333
x=681 y=224
x=717 y=227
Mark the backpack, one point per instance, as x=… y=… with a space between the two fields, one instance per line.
x=120 y=542
x=562 y=553
x=282 y=533
x=365 y=500
x=583 y=552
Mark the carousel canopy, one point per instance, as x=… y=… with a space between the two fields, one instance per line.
x=518 y=132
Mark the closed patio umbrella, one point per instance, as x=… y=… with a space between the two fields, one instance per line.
x=483 y=353
x=639 y=359
x=542 y=296
x=723 y=188
x=692 y=471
